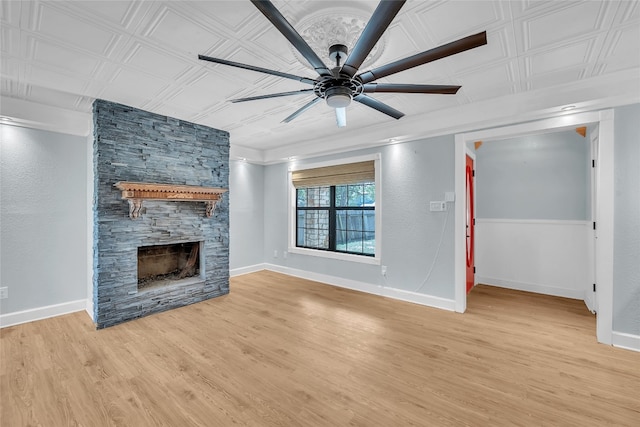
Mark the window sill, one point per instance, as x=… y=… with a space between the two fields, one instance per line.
x=335 y=255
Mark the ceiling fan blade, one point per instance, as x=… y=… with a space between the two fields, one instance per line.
x=443 y=51
x=408 y=88
x=377 y=105
x=269 y=10
x=302 y=110
x=377 y=25
x=258 y=69
x=273 y=95
x=341 y=117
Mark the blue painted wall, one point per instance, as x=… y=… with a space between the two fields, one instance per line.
x=541 y=177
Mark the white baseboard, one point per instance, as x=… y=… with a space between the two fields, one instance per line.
x=246 y=270
x=626 y=341
x=399 y=294
x=40 y=313
x=531 y=287
x=89 y=309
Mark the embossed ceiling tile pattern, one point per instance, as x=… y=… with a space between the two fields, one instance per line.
x=425 y=74
x=221 y=113
x=114 y=12
x=155 y=61
x=628 y=11
x=555 y=78
x=498 y=48
x=75 y=31
x=7 y=88
x=400 y=44
x=134 y=87
x=173 y=111
x=236 y=16
x=416 y=103
x=247 y=77
x=9 y=11
x=46 y=76
x=203 y=93
x=52 y=97
x=10 y=68
x=183 y=34
x=481 y=83
x=548 y=28
x=621 y=51
x=468 y=17
x=276 y=85
x=106 y=72
x=271 y=49
x=64 y=59
x=144 y=53
x=9 y=40
x=572 y=55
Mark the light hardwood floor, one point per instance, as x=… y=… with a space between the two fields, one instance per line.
x=281 y=351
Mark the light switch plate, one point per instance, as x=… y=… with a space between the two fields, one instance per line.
x=437 y=206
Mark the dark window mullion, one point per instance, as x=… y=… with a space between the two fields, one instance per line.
x=332 y=218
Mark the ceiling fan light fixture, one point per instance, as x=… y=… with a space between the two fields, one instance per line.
x=338 y=97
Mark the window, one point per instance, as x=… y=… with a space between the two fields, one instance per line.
x=335 y=210
x=338 y=218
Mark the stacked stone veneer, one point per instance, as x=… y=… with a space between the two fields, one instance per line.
x=135 y=145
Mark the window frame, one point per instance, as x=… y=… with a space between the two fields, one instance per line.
x=332 y=211
x=323 y=253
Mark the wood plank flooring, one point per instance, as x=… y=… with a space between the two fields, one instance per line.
x=281 y=351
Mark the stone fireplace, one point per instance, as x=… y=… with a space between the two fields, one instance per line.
x=161 y=220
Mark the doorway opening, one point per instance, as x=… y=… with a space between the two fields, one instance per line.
x=602 y=250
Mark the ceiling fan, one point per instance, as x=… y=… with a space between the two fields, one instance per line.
x=341 y=84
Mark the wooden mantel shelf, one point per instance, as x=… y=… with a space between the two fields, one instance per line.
x=136 y=192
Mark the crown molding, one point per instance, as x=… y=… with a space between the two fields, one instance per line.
x=45 y=117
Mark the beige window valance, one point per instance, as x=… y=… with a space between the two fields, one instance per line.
x=349 y=173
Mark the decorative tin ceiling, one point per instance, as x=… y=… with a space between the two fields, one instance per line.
x=57 y=57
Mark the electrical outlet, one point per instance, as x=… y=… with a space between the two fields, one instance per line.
x=383 y=270
x=275 y=253
x=284 y=254
x=449 y=196
x=4 y=292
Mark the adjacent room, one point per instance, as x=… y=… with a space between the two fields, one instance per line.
x=319 y=213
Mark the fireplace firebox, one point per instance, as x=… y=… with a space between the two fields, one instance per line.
x=163 y=265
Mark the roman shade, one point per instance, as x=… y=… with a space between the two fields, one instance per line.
x=349 y=173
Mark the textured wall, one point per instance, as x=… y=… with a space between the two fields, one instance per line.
x=626 y=250
x=534 y=177
x=43 y=237
x=246 y=207
x=134 y=145
x=413 y=239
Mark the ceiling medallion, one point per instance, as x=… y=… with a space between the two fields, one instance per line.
x=322 y=30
